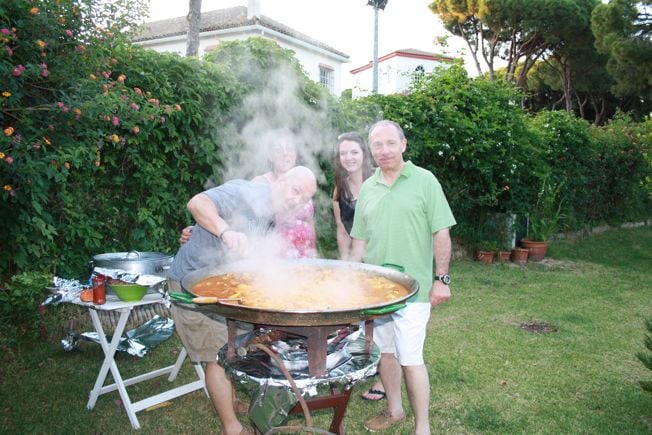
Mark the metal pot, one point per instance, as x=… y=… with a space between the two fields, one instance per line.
x=303 y=317
x=144 y=263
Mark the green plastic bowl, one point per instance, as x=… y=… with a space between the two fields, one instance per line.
x=128 y=292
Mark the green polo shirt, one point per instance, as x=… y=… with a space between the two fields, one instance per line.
x=397 y=222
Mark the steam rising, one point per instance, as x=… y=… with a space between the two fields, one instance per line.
x=247 y=138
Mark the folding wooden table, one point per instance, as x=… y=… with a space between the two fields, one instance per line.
x=109 y=349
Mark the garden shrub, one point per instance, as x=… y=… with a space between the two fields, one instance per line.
x=102 y=152
x=473 y=136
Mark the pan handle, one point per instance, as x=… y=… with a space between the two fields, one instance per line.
x=182 y=297
x=394 y=266
x=384 y=310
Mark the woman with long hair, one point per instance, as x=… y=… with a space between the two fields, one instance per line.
x=352 y=168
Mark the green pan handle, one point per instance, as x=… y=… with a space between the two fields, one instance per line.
x=183 y=297
x=394 y=266
x=384 y=310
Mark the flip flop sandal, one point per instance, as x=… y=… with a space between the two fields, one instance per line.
x=374 y=392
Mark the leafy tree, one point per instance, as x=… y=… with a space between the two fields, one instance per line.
x=622 y=31
x=465 y=19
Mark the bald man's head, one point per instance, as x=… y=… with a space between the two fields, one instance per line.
x=293 y=190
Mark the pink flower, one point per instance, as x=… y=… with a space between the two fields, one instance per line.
x=105 y=74
x=10 y=52
x=60 y=104
x=135 y=106
x=138 y=91
x=115 y=121
x=4 y=31
x=18 y=71
x=68 y=33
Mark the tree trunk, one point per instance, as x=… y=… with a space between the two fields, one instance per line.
x=194 y=25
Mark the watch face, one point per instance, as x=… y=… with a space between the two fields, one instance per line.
x=446 y=279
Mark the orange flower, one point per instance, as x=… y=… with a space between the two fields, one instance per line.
x=46 y=140
x=41 y=43
x=2 y=155
x=8 y=131
x=76 y=111
x=115 y=138
x=8 y=187
x=6 y=94
x=34 y=11
x=121 y=78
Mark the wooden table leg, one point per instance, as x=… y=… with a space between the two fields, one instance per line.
x=336 y=400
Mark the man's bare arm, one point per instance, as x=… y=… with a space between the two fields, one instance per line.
x=442 y=248
x=357 y=250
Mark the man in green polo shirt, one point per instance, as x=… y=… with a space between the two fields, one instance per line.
x=402 y=217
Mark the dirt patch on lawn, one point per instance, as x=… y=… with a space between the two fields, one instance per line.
x=538 y=327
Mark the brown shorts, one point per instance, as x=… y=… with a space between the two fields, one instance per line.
x=201 y=335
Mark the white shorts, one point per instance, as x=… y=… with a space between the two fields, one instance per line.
x=404 y=333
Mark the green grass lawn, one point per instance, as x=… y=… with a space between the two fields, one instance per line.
x=488 y=374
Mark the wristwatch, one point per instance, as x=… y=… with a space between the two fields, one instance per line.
x=444 y=278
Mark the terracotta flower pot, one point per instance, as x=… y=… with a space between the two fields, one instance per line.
x=537 y=249
x=519 y=255
x=504 y=255
x=485 y=257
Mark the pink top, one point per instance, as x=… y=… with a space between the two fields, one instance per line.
x=299 y=231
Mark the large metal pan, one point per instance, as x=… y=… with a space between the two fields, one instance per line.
x=299 y=317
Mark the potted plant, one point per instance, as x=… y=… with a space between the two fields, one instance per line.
x=486 y=252
x=543 y=221
x=519 y=255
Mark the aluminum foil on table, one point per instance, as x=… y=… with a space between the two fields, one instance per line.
x=271 y=395
x=68 y=290
x=136 y=342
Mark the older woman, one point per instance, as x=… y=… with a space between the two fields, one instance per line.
x=298 y=229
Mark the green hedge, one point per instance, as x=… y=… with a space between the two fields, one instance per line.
x=492 y=157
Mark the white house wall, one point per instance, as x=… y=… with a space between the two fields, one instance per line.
x=309 y=59
x=394 y=75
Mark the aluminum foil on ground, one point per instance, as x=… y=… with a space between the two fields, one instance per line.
x=271 y=395
x=136 y=342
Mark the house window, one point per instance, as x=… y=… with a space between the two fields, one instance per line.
x=418 y=74
x=326 y=77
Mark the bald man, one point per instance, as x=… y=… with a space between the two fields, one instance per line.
x=228 y=217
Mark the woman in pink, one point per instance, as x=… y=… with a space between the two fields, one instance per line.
x=297 y=230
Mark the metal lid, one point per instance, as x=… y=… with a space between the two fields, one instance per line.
x=132 y=256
